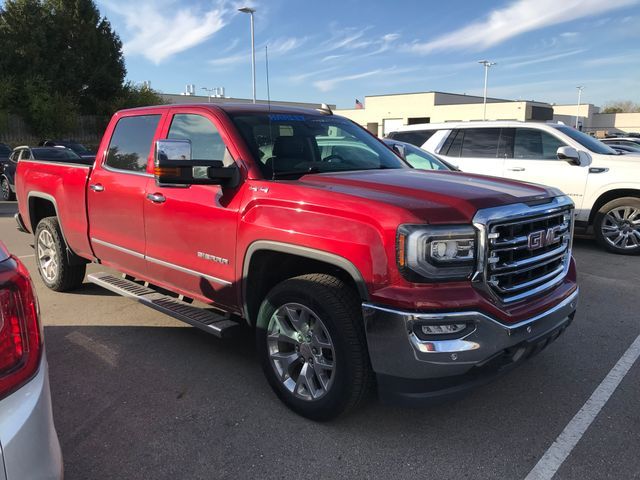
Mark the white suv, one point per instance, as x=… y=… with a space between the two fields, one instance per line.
x=604 y=185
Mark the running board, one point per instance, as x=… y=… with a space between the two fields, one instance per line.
x=210 y=322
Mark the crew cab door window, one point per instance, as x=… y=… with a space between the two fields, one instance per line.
x=131 y=141
x=206 y=142
x=535 y=144
x=480 y=142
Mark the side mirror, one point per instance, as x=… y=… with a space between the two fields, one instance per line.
x=399 y=150
x=173 y=166
x=569 y=154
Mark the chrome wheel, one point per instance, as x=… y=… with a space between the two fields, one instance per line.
x=47 y=256
x=5 y=190
x=621 y=227
x=301 y=351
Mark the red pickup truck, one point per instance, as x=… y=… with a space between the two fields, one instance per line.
x=355 y=269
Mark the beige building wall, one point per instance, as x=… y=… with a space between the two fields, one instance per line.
x=615 y=122
x=433 y=107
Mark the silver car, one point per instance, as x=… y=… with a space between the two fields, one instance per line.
x=29 y=444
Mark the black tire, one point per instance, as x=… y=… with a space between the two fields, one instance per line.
x=66 y=276
x=602 y=222
x=338 y=308
x=5 y=191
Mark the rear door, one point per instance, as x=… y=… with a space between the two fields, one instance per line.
x=191 y=231
x=476 y=150
x=116 y=195
x=535 y=160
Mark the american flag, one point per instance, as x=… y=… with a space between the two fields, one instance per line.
x=359 y=105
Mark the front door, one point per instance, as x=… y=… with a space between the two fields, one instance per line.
x=535 y=160
x=116 y=194
x=191 y=231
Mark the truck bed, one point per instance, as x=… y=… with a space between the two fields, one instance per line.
x=40 y=184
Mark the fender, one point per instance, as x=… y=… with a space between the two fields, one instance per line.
x=73 y=258
x=300 y=251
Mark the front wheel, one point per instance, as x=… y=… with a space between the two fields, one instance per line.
x=617 y=226
x=311 y=344
x=54 y=267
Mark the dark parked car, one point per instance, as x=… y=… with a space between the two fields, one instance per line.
x=622 y=141
x=5 y=151
x=417 y=157
x=51 y=154
x=78 y=148
x=625 y=149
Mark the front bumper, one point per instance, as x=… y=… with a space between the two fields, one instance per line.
x=412 y=370
x=30 y=447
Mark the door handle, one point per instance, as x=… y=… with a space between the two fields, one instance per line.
x=96 y=187
x=156 y=197
x=516 y=169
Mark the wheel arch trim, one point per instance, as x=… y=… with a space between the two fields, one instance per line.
x=300 y=251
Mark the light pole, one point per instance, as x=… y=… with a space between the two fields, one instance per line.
x=487 y=64
x=580 y=88
x=209 y=92
x=251 y=11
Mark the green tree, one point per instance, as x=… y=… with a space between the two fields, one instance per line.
x=60 y=52
x=621 y=106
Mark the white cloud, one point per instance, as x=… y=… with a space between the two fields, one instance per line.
x=330 y=83
x=517 y=18
x=546 y=58
x=160 y=31
x=277 y=47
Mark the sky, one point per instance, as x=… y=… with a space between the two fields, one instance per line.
x=336 y=51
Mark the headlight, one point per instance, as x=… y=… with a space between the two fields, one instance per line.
x=430 y=253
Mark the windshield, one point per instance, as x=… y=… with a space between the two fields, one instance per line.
x=418 y=158
x=590 y=143
x=292 y=145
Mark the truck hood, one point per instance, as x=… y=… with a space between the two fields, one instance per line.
x=456 y=196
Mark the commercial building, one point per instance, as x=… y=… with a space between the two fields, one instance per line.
x=382 y=114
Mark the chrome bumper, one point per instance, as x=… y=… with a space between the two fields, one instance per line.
x=396 y=351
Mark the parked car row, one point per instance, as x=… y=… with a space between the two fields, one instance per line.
x=52 y=153
x=603 y=184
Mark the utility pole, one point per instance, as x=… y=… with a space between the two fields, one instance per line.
x=580 y=88
x=487 y=64
x=251 y=11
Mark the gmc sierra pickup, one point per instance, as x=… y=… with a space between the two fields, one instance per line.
x=354 y=269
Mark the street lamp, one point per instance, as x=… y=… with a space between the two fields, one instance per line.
x=251 y=11
x=487 y=64
x=580 y=88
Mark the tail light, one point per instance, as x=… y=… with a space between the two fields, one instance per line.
x=20 y=333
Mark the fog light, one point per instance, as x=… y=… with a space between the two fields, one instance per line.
x=446 y=329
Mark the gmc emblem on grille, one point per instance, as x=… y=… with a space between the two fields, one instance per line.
x=541 y=238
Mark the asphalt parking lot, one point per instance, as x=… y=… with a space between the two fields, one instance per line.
x=137 y=395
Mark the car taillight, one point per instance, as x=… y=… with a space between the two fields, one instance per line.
x=20 y=333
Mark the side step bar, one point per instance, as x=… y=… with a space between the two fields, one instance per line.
x=210 y=322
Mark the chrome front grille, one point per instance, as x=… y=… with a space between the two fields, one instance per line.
x=528 y=255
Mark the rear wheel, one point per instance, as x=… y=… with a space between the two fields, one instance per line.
x=617 y=226
x=54 y=267
x=311 y=344
x=5 y=190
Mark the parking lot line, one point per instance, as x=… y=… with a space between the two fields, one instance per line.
x=27 y=256
x=558 y=452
